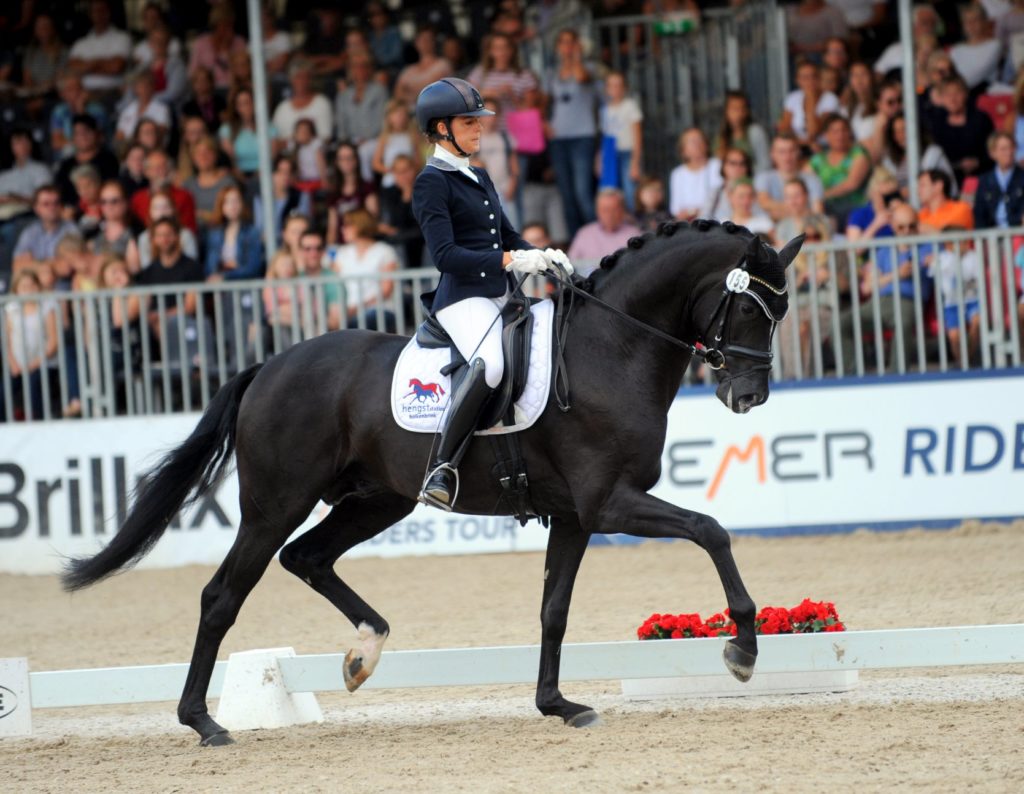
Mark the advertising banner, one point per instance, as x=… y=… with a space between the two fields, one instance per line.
x=833 y=457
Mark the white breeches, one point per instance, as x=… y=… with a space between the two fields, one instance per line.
x=466 y=323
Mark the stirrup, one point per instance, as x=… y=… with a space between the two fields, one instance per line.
x=428 y=499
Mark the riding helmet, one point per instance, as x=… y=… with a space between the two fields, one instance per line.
x=447 y=98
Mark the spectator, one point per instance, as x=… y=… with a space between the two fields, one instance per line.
x=385 y=40
x=843 y=169
x=501 y=75
x=38 y=241
x=963 y=132
x=858 y=102
x=115 y=236
x=74 y=266
x=45 y=58
x=212 y=51
x=957 y=268
x=307 y=150
x=86 y=213
x=572 y=129
x=770 y=185
x=999 y=200
x=694 y=182
x=192 y=132
x=170 y=267
x=806 y=108
x=327 y=295
x=933 y=71
x=831 y=81
x=148 y=134
x=498 y=156
x=740 y=131
x=26 y=175
x=427 y=69
x=650 y=204
x=303 y=104
x=158 y=175
x=837 y=56
x=161 y=205
x=743 y=212
x=1014 y=122
x=31 y=335
x=607 y=234
x=74 y=102
x=864 y=19
x=454 y=51
x=808 y=267
x=153 y=19
x=397 y=223
x=894 y=157
x=348 y=190
x=810 y=24
x=277 y=44
x=87 y=149
x=890 y=262
x=925 y=24
x=361 y=261
x=204 y=102
x=295 y=225
x=282 y=303
x=238 y=136
x=102 y=55
x=536 y=234
x=1008 y=27
x=143 y=106
x=359 y=108
x=288 y=199
x=170 y=77
x=622 y=133
x=938 y=210
x=977 y=57
x=125 y=341
x=133 y=176
x=889 y=105
x=398 y=136
x=234 y=246
x=874 y=218
x=735 y=166
x=324 y=43
x=209 y=182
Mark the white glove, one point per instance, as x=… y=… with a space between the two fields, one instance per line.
x=555 y=258
x=529 y=262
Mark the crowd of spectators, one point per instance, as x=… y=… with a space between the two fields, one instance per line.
x=131 y=157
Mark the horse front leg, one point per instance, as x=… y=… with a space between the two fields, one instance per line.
x=634 y=512
x=567 y=542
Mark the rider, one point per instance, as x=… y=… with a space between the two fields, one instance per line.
x=476 y=249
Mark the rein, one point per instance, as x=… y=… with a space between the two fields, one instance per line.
x=737 y=282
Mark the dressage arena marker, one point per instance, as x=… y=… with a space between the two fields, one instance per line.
x=851 y=650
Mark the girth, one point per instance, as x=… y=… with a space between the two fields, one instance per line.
x=516 y=337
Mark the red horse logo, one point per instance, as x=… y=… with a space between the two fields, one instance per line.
x=424 y=391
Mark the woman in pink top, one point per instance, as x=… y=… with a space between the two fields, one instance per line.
x=213 y=50
x=500 y=75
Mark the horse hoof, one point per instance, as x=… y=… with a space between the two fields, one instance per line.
x=585 y=719
x=354 y=671
x=738 y=661
x=221 y=739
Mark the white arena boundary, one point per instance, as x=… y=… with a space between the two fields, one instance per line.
x=850 y=650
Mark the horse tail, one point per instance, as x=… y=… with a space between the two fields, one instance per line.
x=193 y=468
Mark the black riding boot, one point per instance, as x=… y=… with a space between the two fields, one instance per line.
x=442 y=483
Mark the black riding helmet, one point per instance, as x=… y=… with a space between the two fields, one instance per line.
x=443 y=101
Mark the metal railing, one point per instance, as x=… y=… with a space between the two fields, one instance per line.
x=167 y=349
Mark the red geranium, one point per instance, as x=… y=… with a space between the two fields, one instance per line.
x=807 y=617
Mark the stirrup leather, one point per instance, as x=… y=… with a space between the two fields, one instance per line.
x=428 y=499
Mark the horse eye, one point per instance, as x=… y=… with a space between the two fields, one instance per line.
x=746 y=309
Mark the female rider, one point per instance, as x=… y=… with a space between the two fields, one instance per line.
x=476 y=249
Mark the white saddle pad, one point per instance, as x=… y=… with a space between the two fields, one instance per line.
x=420 y=393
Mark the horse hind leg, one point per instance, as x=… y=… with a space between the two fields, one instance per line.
x=311 y=557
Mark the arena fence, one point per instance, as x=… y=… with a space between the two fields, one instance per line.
x=851 y=650
x=681 y=71
x=167 y=349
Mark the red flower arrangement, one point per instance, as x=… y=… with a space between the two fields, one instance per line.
x=806 y=617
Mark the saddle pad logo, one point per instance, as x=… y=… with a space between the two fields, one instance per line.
x=424 y=401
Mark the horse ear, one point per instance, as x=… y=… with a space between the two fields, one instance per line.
x=790 y=250
x=754 y=248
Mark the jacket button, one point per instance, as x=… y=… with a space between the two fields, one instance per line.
x=493 y=231
x=483 y=275
x=495 y=245
x=486 y=203
x=491 y=216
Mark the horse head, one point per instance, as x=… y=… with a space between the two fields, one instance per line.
x=741 y=318
x=415 y=382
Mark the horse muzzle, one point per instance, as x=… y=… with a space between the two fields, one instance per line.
x=739 y=396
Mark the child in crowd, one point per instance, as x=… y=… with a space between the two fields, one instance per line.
x=740 y=131
x=398 y=136
x=282 y=303
x=622 y=138
x=307 y=150
x=31 y=339
x=88 y=214
x=650 y=204
x=74 y=265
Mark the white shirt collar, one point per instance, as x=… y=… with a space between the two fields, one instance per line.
x=443 y=154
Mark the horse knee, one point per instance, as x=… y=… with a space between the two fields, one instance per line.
x=712 y=536
x=218 y=609
x=294 y=561
x=553 y=619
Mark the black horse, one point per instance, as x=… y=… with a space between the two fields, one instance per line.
x=315 y=423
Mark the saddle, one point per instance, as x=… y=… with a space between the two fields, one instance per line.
x=516 y=336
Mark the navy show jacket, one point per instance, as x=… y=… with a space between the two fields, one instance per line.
x=989 y=194
x=466 y=233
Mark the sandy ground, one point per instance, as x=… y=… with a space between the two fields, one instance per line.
x=924 y=730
